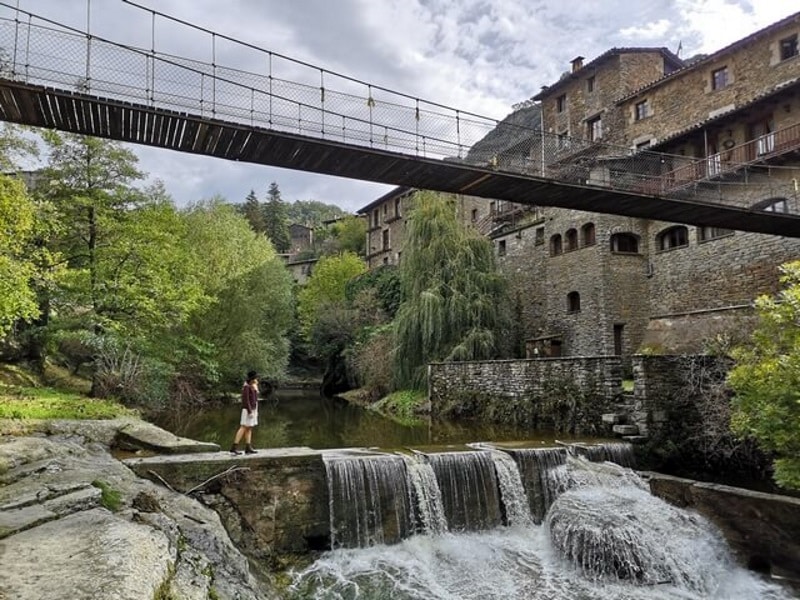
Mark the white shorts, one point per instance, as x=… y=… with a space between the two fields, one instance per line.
x=250 y=420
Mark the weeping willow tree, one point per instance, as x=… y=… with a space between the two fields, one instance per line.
x=455 y=305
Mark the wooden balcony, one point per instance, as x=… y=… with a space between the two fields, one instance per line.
x=732 y=160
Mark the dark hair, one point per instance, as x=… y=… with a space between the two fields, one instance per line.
x=252 y=375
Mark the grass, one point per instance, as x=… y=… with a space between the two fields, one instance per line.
x=22 y=397
x=627 y=385
x=402 y=405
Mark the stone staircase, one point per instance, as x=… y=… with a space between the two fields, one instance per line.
x=622 y=426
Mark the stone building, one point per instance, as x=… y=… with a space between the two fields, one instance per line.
x=598 y=284
x=386 y=222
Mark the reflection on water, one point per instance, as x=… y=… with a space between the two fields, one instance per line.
x=303 y=418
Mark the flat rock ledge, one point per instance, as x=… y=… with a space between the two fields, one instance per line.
x=75 y=522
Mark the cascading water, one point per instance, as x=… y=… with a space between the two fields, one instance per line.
x=427 y=493
x=470 y=493
x=512 y=492
x=544 y=474
x=620 y=453
x=605 y=538
x=369 y=500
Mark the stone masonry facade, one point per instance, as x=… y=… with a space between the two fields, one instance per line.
x=589 y=284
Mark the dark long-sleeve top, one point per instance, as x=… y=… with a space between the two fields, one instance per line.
x=249 y=397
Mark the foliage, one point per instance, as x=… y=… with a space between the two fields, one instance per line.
x=403 y=405
x=369 y=360
x=244 y=325
x=110 y=498
x=312 y=213
x=326 y=287
x=252 y=211
x=385 y=280
x=17 y=266
x=455 y=303
x=276 y=220
x=20 y=402
x=350 y=234
x=766 y=379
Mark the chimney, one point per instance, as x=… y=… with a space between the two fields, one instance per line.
x=577 y=63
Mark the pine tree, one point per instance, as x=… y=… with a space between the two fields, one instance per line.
x=251 y=210
x=276 y=222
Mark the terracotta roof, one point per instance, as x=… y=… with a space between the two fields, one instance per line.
x=715 y=56
x=590 y=66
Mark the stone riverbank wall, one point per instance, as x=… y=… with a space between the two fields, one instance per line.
x=570 y=394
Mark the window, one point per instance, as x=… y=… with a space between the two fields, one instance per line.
x=555 y=245
x=788 y=47
x=711 y=233
x=571 y=239
x=474 y=214
x=587 y=235
x=625 y=242
x=595 y=127
x=773 y=205
x=501 y=248
x=539 y=238
x=590 y=84
x=719 y=78
x=641 y=110
x=642 y=146
x=561 y=103
x=397 y=207
x=562 y=140
x=375 y=218
x=573 y=302
x=385 y=239
x=674 y=237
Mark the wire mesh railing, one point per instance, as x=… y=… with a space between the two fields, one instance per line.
x=269 y=90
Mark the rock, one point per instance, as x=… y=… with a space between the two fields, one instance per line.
x=613 y=418
x=626 y=429
x=58 y=543
x=140 y=435
x=91 y=554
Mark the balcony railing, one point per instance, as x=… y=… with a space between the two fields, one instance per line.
x=730 y=160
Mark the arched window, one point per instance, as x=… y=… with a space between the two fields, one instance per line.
x=674 y=237
x=772 y=205
x=573 y=302
x=625 y=242
x=571 y=239
x=587 y=235
x=555 y=245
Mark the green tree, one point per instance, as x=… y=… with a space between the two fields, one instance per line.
x=766 y=379
x=350 y=234
x=244 y=326
x=313 y=213
x=17 y=267
x=253 y=212
x=326 y=287
x=455 y=302
x=276 y=222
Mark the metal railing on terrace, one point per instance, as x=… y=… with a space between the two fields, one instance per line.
x=239 y=83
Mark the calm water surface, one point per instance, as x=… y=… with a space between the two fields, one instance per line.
x=303 y=418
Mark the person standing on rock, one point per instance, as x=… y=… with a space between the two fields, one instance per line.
x=249 y=418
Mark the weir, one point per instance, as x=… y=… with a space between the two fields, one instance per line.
x=603 y=535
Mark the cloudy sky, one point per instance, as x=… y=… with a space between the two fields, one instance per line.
x=476 y=55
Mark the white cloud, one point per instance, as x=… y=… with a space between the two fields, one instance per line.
x=478 y=55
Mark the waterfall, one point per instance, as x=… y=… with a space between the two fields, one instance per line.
x=427 y=493
x=604 y=538
x=544 y=475
x=469 y=488
x=612 y=528
x=512 y=492
x=620 y=453
x=369 y=500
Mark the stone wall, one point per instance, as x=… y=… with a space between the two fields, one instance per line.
x=569 y=394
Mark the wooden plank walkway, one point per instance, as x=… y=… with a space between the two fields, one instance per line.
x=140 y=124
